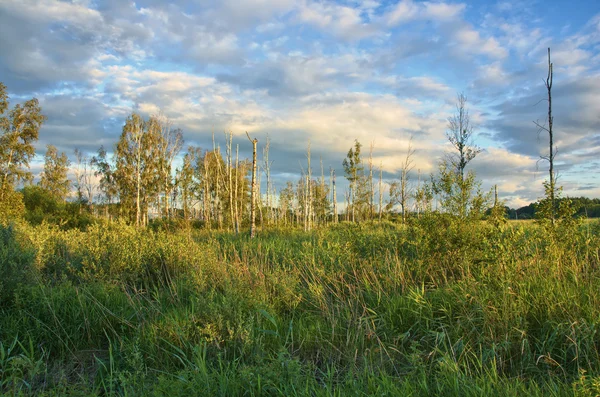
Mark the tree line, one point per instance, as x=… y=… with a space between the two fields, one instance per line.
x=216 y=188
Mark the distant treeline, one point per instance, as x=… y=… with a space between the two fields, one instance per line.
x=586 y=207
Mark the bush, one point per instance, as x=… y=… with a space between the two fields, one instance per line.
x=16 y=263
x=11 y=206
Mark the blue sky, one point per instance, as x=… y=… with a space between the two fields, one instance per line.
x=378 y=71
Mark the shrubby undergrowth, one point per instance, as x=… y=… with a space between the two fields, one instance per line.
x=437 y=306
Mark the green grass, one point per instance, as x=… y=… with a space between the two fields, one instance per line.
x=436 y=307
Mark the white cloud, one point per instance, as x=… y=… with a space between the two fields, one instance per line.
x=342 y=21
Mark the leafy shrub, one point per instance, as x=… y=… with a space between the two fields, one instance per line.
x=16 y=262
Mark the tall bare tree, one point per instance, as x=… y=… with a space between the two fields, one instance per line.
x=334 y=197
x=380 y=191
x=551 y=187
x=267 y=169
x=253 y=188
x=460 y=135
x=84 y=181
x=229 y=147
x=371 y=185
x=407 y=166
x=308 y=186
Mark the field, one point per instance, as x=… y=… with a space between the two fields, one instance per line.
x=433 y=307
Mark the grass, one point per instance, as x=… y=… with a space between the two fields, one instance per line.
x=435 y=307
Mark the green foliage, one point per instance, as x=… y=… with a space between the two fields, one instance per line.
x=11 y=206
x=19 y=129
x=460 y=196
x=54 y=178
x=42 y=206
x=359 y=193
x=16 y=263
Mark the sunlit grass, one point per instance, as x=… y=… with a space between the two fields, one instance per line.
x=438 y=307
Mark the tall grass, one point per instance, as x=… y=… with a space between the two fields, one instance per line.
x=435 y=307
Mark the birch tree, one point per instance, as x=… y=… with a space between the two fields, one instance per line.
x=20 y=128
x=54 y=177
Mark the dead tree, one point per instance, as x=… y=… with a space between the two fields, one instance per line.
x=236 y=201
x=334 y=197
x=380 y=191
x=253 y=188
x=552 y=152
x=308 y=202
x=371 y=186
x=267 y=169
x=229 y=140
x=407 y=167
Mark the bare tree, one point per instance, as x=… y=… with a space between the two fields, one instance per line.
x=308 y=187
x=334 y=197
x=267 y=170
x=253 y=191
x=229 y=141
x=237 y=210
x=380 y=191
x=407 y=167
x=460 y=135
x=84 y=181
x=551 y=188
x=371 y=186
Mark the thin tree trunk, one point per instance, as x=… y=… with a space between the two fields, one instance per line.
x=380 y=191
x=230 y=182
x=137 y=201
x=334 y=198
x=253 y=192
x=550 y=122
x=8 y=164
x=309 y=189
x=371 y=187
x=236 y=202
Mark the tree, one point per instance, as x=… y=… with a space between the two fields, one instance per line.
x=108 y=184
x=423 y=195
x=457 y=189
x=186 y=181
x=553 y=207
x=54 y=178
x=549 y=208
x=84 y=183
x=253 y=191
x=462 y=197
x=334 y=197
x=287 y=203
x=267 y=169
x=137 y=173
x=353 y=168
x=20 y=129
x=170 y=141
x=407 y=167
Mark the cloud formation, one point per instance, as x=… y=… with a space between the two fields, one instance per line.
x=326 y=71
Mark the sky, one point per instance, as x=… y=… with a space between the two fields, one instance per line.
x=324 y=71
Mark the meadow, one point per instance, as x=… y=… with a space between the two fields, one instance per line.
x=436 y=306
